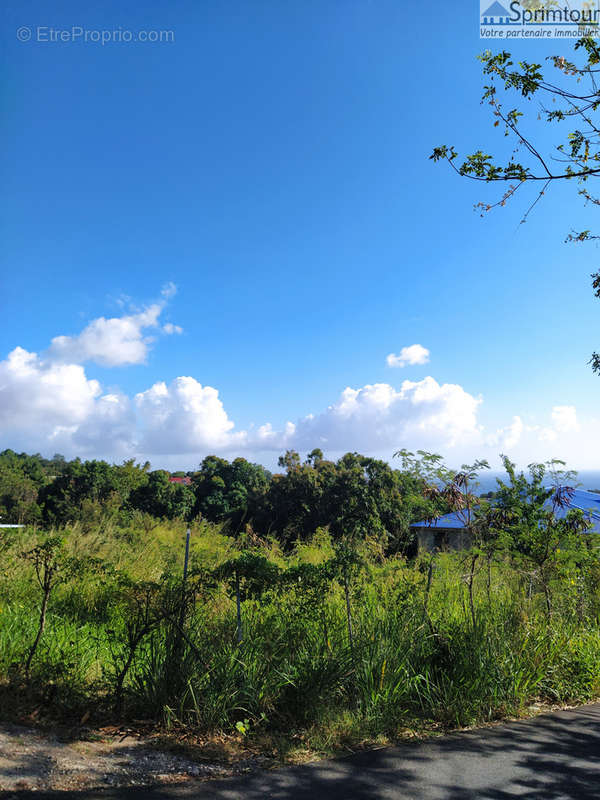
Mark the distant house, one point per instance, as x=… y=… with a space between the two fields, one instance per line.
x=443 y=533
x=496 y=14
x=186 y=481
x=449 y=532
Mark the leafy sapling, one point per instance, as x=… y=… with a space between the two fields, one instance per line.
x=48 y=560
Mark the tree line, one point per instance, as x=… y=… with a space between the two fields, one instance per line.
x=355 y=494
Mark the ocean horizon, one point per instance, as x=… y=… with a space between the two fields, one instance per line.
x=586 y=479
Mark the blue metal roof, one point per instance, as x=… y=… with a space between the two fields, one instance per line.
x=455 y=519
x=588 y=502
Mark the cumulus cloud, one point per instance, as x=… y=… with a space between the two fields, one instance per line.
x=411 y=355
x=505 y=439
x=31 y=392
x=183 y=417
x=560 y=435
x=49 y=404
x=46 y=404
x=565 y=419
x=111 y=428
x=540 y=442
x=379 y=417
x=114 y=342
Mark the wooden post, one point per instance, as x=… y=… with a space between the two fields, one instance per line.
x=239 y=607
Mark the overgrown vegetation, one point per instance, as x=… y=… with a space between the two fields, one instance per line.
x=356 y=491
x=311 y=641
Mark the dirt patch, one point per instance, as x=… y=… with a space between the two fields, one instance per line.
x=38 y=757
x=33 y=759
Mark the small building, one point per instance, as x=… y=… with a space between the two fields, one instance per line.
x=185 y=481
x=449 y=532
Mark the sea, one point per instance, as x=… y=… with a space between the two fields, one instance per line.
x=586 y=479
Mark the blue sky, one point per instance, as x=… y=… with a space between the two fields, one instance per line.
x=271 y=163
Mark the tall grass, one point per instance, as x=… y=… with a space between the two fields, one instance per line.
x=417 y=657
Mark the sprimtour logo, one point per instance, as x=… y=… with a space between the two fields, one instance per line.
x=528 y=19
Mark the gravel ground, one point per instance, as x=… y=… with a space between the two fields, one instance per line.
x=32 y=759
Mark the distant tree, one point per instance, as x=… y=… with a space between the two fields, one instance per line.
x=356 y=495
x=92 y=481
x=229 y=491
x=130 y=476
x=531 y=522
x=21 y=478
x=297 y=502
x=18 y=498
x=160 y=498
x=56 y=465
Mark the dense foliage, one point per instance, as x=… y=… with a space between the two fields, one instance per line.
x=314 y=639
x=355 y=494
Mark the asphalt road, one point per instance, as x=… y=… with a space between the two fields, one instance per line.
x=552 y=756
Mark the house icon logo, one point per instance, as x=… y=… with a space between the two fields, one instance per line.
x=496 y=14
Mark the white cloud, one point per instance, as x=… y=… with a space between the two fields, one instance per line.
x=546 y=434
x=45 y=404
x=411 y=355
x=562 y=435
x=170 y=329
x=114 y=342
x=565 y=419
x=168 y=290
x=48 y=404
x=380 y=418
x=505 y=439
x=184 y=416
x=188 y=417
x=111 y=428
x=513 y=434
